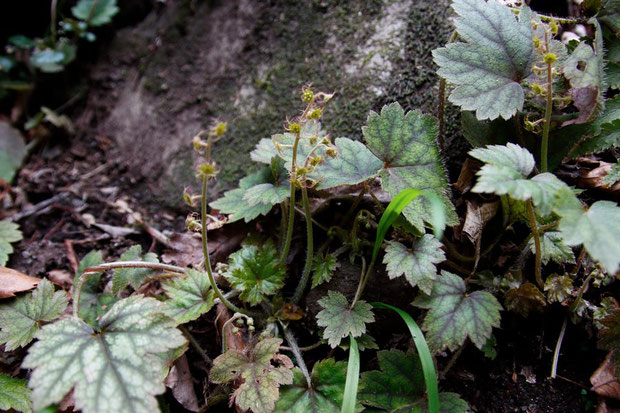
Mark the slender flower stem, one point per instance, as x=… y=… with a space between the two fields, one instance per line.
x=299 y=291
x=53 y=20
x=534 y=227
x=205 y=248
x=363 y=278
x=134 y=264
x=290 y=339
x=558 y=346
x=291 y=215
x=548 y=109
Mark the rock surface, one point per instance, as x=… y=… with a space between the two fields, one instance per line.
x=245 y=62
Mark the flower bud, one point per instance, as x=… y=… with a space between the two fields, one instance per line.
x=550 y=58
x=220 y=129
x=307 y=95
x=295 y=128
x=315 y=114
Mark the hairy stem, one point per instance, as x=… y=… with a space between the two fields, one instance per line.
x=301 y=287
x=134 y=264
x=291 y=215
x=290 y=339
x=363 y=278
x=534 y=227
x=548 y=109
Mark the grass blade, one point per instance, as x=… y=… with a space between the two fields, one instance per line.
x=353 y=378
x=428 y=367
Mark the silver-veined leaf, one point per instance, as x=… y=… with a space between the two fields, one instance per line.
x=14 y=394
x=189 y=296
x=340 y=320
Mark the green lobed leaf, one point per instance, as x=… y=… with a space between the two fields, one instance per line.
x=111 y=371
x=455 y=314
x=488 y=68
x=233 y=201
x=93 y=303
x=267 y=194
x=132 y=276
x=583 y=67
x=14 y=394
x=399 y=386
x=12 y=151
x=255 y=272
x=552 y=248
x=9 y=233
x=558 y=287
x=610 y=15
x=340 y=320
x=95 y=12
x=596 y=228
x=265 y=150
x=406 y=144
x=189 y=295
x=353 y=164
x=604 y=131
x=260 y=379
x=525 y=299
x=505 y=172
x=613 y=175
x=323 y=268
x=21 y=319
x=417 y=264
x=324 y=396
x=48 y=61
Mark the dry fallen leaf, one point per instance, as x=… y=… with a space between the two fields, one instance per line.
x=477 y=217
x=12 y=282
x=180 y=381
x=605 y=381
x=61 y=278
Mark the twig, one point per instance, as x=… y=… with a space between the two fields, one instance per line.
x=37 y=207
x=196 y=345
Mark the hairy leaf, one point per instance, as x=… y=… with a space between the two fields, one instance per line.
x=553 y=249
x=505 y=171
x=583 y=67
x=406 y=144
x=95 y=12
x=267 y=194
x=604 y=131
x=488 y=68
x=524 y=299
x=325 y=395
x=14 y=394
x=558 y=287
x=261 y=379
x=455 y=315
x=416 y=264
x=190 y=296
x=132 y=276
x=9 y=233
x=340 y=320
x=13 y=151
x=112 y=371
x=255 y=272
x=609 y=335
x=399 y=386
x=597 y=229
x=265 y=149
x=233 y=203
x=323 y=268
x=353 y=164
x=20 y=320
x=610 y=15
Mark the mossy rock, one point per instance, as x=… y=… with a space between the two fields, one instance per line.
x=245 y=62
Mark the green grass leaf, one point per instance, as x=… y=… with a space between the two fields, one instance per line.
x=259 y=378
x=349 y=402
x=9 y=233
x=95 y=12
x=455 y=314
x=21 y=319
x=234 y=204
x=417 y=263
x=340 y=320
x=323 y=268
x=324 y=396
x=132 y=276
x=406 y=144
x=189 y=295
x=14 y=394
x=488 y=68
x=255 y=272
x=114 y=370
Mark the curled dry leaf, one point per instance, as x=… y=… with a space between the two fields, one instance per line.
x=477 y=217
x=605 y=381
x=179 y=380
x=12 y=282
